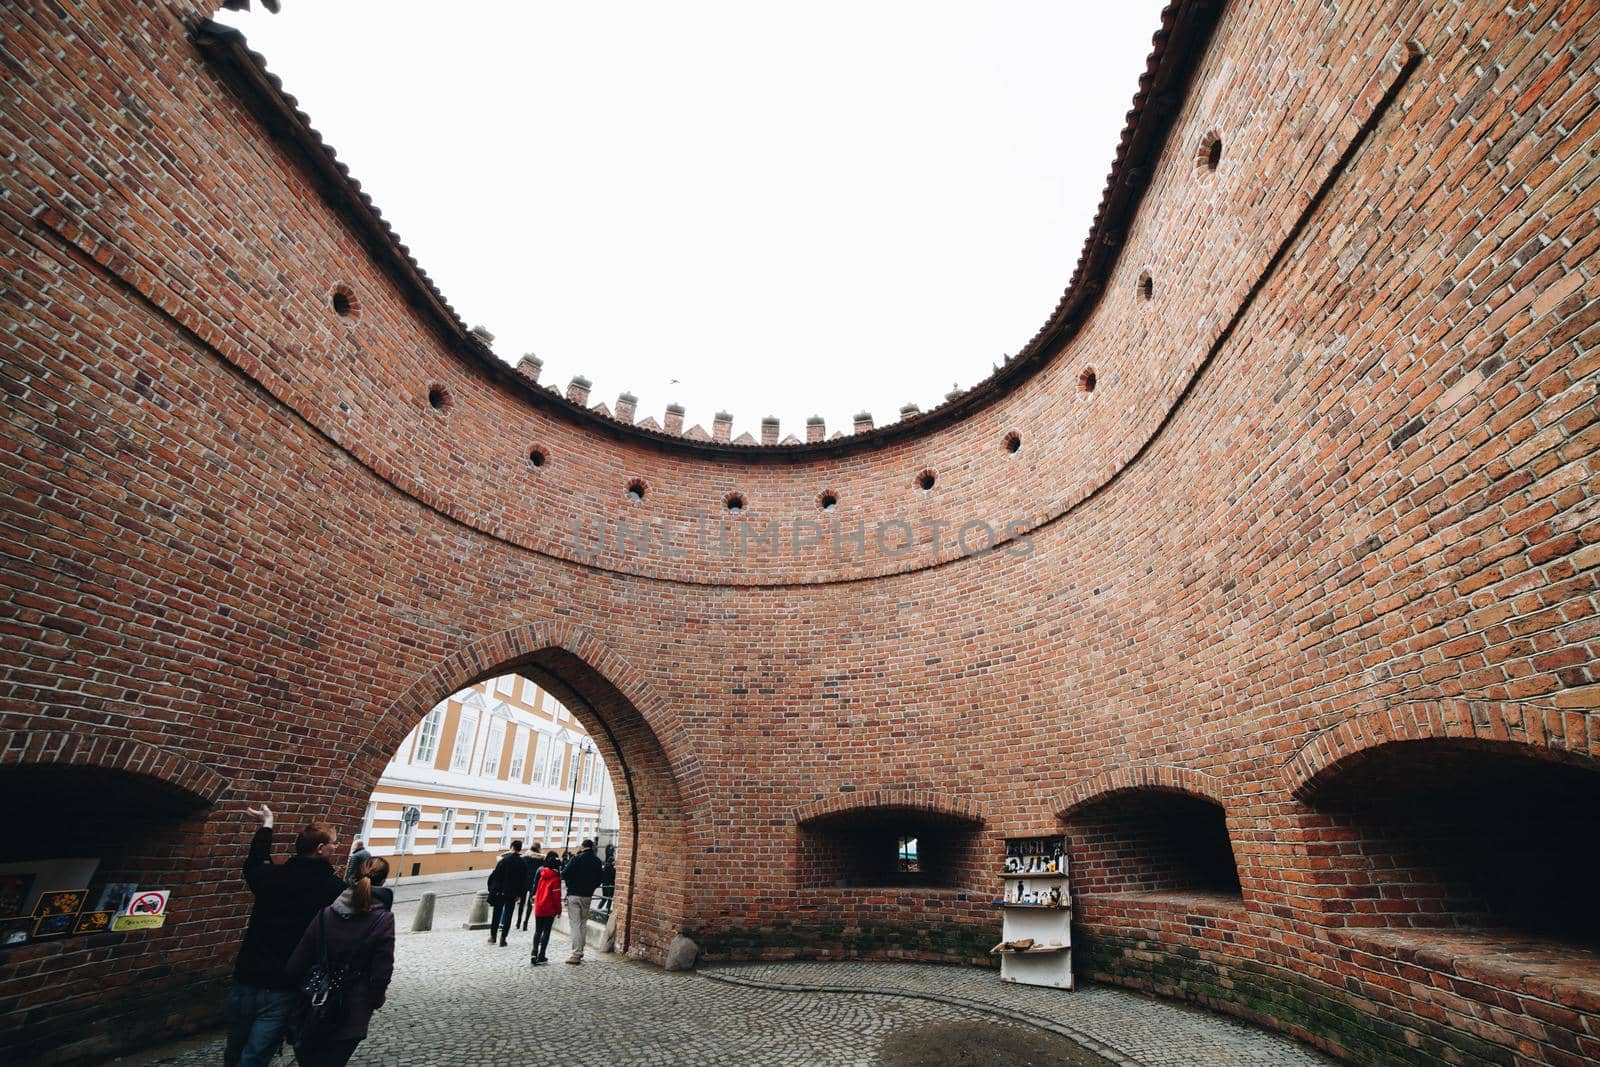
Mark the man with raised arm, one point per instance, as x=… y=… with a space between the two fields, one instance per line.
x=288 y=896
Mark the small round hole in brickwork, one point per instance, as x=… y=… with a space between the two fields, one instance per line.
x=1086 y=380
x=734 y=502
x=438 y=397
x=636 y=490
x=344 y=303
x=1013 y=442
x=1210 y=154
x=828 y=501
x=1147 y=285
x=537 y=457
x=925 y=480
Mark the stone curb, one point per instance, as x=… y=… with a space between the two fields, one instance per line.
x=1095 y=1045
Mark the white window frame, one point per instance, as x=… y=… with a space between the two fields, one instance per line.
x=506 y=685
x=447 y=830
x=366 y=825
x=588 y=772
x=493 y=745
x=519 y=754
x=480 y=822
x=505 y=829
x=466 y=734
x=427 y=749
x=541 y=757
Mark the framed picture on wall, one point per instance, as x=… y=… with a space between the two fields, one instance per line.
x=59 y=902
x=15 y=931
x=14 y=894
x=93 y=922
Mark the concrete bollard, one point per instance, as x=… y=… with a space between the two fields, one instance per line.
x=424 y=917
x=478 y=918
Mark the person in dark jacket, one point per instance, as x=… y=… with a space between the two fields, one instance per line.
x=287 y=897
x=357 y=930
x=546 y=905
x=508 y=881
x=608 y=887
x=582 y=875
x=530 y=859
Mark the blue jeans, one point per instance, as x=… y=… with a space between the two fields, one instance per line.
x=256 y=1019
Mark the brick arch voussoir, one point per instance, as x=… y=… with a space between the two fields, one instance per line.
x=922 y=800
x=1160 y=777
x=1556 y=736
x=57 y=748
x=500 y=653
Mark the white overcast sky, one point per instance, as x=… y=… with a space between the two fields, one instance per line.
x=793 y=209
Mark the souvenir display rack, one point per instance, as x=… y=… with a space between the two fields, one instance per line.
x=1036 y=913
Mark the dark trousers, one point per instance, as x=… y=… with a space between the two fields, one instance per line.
x=524 y=910
x=327 y=1054
x=541 y=934
x=500 y=917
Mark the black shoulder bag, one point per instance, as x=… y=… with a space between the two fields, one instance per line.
x=322 y=992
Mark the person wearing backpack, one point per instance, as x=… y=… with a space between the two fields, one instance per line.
x=546 y=905
x=508 y=882
x=347 y=953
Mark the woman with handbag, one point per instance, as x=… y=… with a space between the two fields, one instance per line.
x=343 y=965
x=546 y=905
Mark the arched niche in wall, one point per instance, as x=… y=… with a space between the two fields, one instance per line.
x=889 y=837
x=1151 y=830
x=1459 y=833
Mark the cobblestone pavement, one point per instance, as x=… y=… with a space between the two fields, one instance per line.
x=457 y=1001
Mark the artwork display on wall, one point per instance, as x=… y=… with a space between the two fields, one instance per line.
x=93 y=922
x=14 y=890
x=115 y=896
x=55 y=924
x=60 y=902
x=16 y=931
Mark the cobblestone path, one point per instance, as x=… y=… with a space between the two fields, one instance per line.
x=457 y=1001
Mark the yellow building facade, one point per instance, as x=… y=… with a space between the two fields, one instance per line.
x=497 y=762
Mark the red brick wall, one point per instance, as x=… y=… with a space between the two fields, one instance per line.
x=1333 y=488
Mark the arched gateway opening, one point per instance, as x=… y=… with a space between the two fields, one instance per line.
x=651 y=840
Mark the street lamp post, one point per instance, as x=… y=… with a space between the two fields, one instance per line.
x=572 y=805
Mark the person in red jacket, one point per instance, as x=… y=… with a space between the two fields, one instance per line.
x=546 y=905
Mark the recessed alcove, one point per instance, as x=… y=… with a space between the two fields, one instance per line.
x=869 y=848
x=1152 y=841
x=1465 y=835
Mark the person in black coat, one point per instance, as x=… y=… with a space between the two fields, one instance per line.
x=287 y=897
x=530 y=859
x=507 y=884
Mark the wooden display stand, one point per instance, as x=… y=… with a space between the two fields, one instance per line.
x=1036 y=914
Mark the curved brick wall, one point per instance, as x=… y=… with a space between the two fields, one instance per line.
x=1332 y=492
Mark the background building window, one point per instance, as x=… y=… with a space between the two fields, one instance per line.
x=555 y=763
x=519 y=752
x=461 y=756
x=588 y=771
x=506 y=684
x=541 y=758
x=505 y=829
x=491 y=750
x=908 y=855
x=447 y=828
x=478 y=825
x=428 y=736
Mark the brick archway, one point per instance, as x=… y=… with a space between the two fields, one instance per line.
x=1560 y=738
x=918 y=800
x=636 y=734
x=193 y=782
x=1164 y=777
